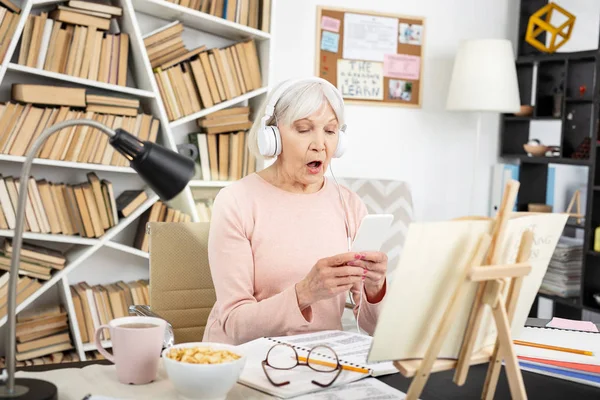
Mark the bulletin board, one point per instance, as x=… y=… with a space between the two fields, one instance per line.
x=372 y=58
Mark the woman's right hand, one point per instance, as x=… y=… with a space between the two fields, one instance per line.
x=328 y=278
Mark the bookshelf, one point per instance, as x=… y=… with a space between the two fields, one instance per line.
x=112 y=256
x=541 y=77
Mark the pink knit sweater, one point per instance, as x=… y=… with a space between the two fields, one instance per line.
x=263 y=240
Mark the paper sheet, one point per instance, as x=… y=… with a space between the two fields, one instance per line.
x=401 y=66
x=369 y=388
x=330 y=41
x=330 y=24
x=369 y=38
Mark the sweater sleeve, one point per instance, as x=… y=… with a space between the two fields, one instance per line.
x=369 y=312
x=241 y=316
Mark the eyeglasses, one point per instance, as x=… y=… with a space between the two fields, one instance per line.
x=285 y=357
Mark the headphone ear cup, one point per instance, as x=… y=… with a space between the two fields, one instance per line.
x=341 y=146
x=269 y=142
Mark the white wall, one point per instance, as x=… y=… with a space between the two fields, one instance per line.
x=430 y=148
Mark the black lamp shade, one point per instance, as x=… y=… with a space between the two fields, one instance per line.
x=166 y=172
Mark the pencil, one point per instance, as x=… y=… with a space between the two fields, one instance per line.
x=549 y=347
x=328 y=364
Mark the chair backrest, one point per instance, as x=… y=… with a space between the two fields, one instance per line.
x=181 y=286
x=383 y=196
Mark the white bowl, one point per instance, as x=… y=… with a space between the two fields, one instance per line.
x=204 y=381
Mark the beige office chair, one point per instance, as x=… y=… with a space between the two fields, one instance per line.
x=181 y=286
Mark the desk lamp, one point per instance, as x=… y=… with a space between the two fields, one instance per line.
x=166 y=172
x=484 y=79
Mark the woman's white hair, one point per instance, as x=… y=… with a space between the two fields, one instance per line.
x=299 y=101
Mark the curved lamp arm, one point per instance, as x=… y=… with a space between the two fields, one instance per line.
x=166 y=172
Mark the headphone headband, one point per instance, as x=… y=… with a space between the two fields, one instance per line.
x=270 y=108
x=269 y=139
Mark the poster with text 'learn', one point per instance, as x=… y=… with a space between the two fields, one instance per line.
x=360 y=79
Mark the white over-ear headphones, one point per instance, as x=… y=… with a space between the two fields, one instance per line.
x=269 y=138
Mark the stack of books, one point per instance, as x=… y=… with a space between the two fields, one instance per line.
x=36 y=107
x=253 y=13
x=99 y=304
x=36 y=261
x=222 y=145
x=26 y=286
x=43 y=332
x=159 y=212
x=165 y=46
x=9 y=19
x=73 y=39
x=192 y=80
x=563 y=277
x=87 y=209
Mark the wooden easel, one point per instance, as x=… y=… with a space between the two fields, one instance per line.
x=575 y=201
x=492 y=279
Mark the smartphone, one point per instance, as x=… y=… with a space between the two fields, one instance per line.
x=372 y=232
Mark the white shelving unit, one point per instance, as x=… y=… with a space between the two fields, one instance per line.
x=112 y=256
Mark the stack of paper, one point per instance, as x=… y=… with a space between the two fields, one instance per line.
x=563 y=277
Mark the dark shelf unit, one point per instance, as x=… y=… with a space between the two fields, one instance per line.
x=540 y=77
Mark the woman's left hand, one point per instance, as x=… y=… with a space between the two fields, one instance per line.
x=374 y=264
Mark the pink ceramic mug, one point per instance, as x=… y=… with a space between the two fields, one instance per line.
x=136 y=344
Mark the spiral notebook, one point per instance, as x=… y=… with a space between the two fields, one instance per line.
x=351 y=348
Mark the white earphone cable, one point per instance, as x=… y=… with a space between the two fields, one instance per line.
x=362 y=284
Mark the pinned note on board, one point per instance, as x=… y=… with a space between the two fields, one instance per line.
x=330 y=41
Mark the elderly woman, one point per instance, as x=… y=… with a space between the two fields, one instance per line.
x=278 y=244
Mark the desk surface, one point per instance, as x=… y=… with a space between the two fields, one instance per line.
x=440 y=385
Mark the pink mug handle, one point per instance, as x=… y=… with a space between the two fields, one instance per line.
x=98 y=344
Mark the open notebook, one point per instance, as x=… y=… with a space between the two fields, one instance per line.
x=351 y=348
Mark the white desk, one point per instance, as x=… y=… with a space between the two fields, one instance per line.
x=75 y=383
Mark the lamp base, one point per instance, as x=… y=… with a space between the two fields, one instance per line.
x=30 y=389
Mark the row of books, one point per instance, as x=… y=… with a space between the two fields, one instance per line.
x=204 y=209
x=192 y=80
x=23 y=120
x=73 y=39
x=222 y=145
x=36 y=261
x=159 y=212
x=563 y=277
x=9 y=19
x=87 y=209
x=98 y=304
x=253 y=13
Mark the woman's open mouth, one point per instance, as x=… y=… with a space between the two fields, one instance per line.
x=314 y=167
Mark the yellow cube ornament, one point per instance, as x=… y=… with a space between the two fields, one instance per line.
x=540 y=22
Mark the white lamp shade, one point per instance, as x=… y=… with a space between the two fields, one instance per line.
x=484 y=77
